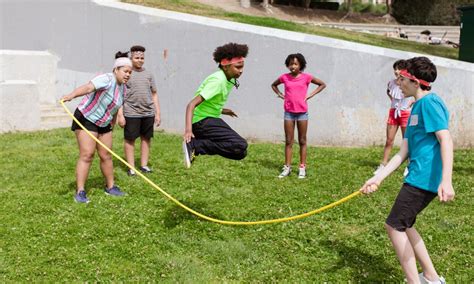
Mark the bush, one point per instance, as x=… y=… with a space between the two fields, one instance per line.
x=315 y=4
x=427 y=12
x=359 y=7
x=324 y=5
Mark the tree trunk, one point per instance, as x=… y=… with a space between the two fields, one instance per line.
x=307 y=3
x=349 y=6
x=349 y=10
x=245 y=3
x=388 y=3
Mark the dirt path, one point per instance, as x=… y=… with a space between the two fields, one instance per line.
x=294 y=14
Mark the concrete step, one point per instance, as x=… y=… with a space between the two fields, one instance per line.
x=54 y=116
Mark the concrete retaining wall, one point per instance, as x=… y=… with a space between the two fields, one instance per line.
x=19 y=106
x=350 y=112
x=38 y=66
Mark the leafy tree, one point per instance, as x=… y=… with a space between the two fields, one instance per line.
x=428 y=12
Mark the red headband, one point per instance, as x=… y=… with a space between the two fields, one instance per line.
x=406 y=74
x=234 y=60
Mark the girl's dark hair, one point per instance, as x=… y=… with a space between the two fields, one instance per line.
x=230 y=51
x=121 y=54
x=400 y=64
x=300 y=59
x=137 y=48
x=422 y=68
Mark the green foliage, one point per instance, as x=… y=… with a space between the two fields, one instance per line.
x=359 y=7
x=187 y=6
x=428 y=12
x=143 y=237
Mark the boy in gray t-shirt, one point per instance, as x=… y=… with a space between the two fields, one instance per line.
x=140 y=111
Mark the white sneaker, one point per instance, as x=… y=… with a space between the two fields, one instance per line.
x=285 y=171
x=405 y=172
x=379 y=168
x=423 y=280
x=302 y=173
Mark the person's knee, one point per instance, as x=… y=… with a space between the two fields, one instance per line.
x=389 y=142
x=105 y=156
x=86 y=157
x=241 y=155
x=289 y=141
x=240 y=149
x=302 y=141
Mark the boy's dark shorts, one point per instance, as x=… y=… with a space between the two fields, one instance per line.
x=408 y=204
x=138 y=127
x=87 y=124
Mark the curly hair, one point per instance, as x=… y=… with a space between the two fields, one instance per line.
x=230 y=51
x=400 y=64
x=422 y=68
x=298 y=57
x=121 y=54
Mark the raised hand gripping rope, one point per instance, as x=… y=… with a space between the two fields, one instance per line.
x=224 y=222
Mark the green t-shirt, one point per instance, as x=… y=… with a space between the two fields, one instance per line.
x=215 y=90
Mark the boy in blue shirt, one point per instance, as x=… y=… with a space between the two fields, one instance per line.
x=428 y=145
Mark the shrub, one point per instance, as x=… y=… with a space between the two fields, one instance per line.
x=427 y=12
x=359 y=7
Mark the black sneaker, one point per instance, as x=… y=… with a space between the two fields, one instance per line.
x=145 y=170
x=188 y=152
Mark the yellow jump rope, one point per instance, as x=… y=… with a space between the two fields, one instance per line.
x=224 y=222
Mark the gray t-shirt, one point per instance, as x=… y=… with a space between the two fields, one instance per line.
x=138 y=101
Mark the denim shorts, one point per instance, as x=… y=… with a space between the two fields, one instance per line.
x=296 y=116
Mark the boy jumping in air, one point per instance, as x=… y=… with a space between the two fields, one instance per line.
x=205 y=132
x=428 y=145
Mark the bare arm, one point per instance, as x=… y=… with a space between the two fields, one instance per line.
x=445 y=189
x=229 y=112
x=154 y=97
x=276 y=90
x=389 y=96
x=188 y=130
x=79 y=92
x=373 y=183
x=321 y=86
x=121 y=118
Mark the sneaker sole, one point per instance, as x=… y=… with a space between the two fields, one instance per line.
x=114 y=194
x=187 y=161
x=280 y=176
x=81 y=202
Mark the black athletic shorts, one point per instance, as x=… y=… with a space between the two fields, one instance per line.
x=138 y=127
x=408 y=204
x=87 y=124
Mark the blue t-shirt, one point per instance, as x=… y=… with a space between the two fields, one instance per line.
x=428 y=115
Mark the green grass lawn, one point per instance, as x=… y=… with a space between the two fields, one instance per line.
x=191 y=7
x=47 y=237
